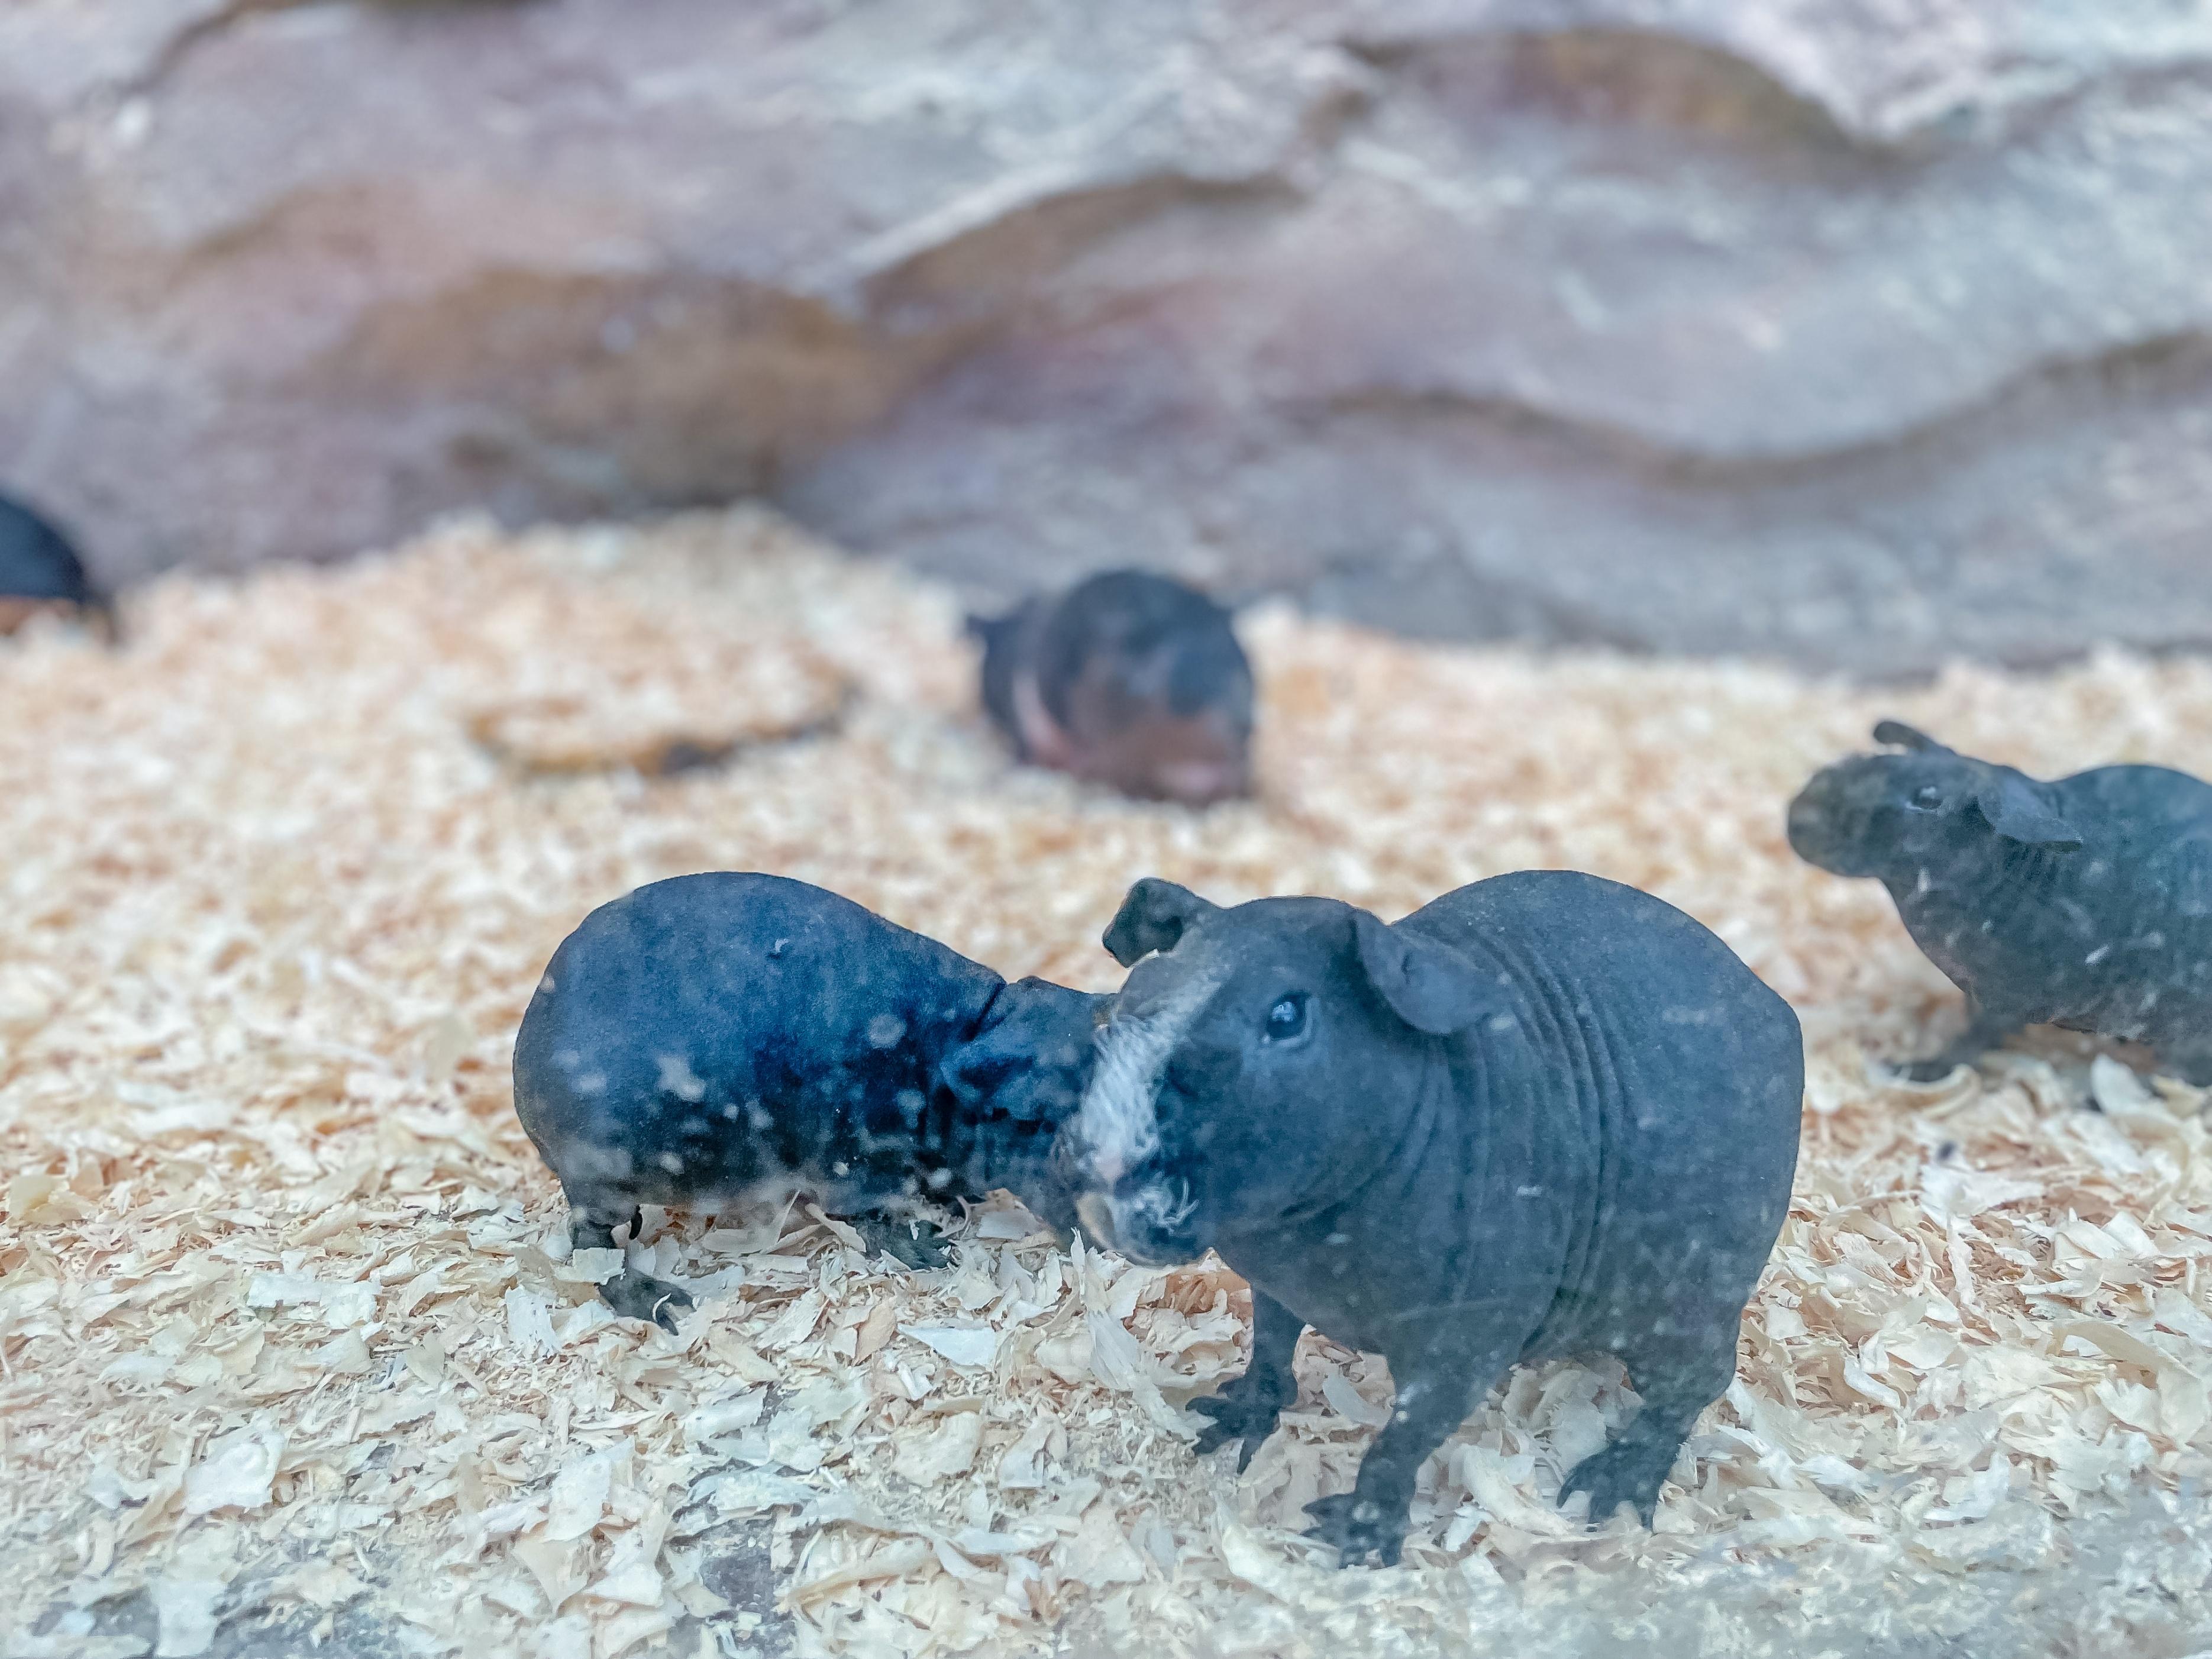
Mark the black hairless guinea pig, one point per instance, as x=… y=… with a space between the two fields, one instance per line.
x=2085 y=903
x=39 y=571
x=1545 y=1114
x=720 y=1037
x=1129 y=679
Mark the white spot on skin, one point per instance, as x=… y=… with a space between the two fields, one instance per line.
x=1118 y=1126
x=546 y=987
x=678 y=1078
x=2096 y=956
x=591 y=1083
x=884 y=1031
x=671 y=1163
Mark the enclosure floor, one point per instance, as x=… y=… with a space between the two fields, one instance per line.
x=291 y=1351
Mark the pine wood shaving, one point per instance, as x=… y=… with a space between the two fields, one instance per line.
x=287 y=1313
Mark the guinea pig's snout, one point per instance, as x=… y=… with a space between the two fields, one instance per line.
x=1807 y=821
x=1827 y=824
x=1203 y=782
x=1149 y=1216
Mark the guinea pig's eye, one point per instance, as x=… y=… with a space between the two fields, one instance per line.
x=1927 y=798
x=1287 y=1018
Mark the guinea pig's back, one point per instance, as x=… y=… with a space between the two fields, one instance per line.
x=36 y=560
x=719 y=997
x=1708 y=1059
x=2135 y=809
x=1680 y=1076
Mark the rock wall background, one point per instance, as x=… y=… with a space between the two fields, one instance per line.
x=1858 y=332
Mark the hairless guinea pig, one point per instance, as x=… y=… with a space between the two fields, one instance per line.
x=39 y=571
x=1544 y=1115
x=720 y=1037
x=1129 y=679
x=2084 y=903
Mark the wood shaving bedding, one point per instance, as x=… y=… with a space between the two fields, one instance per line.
x=288 y=1326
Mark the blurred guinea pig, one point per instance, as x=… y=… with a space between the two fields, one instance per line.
x=1129 y=679
x=41 y=572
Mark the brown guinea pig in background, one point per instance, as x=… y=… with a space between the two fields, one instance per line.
x=41 y=572
x=1128 y=678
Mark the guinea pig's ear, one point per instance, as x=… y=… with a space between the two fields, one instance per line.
x=1898 y=734
x=1431 y=988
x=1152 y=918
x=2017 y=811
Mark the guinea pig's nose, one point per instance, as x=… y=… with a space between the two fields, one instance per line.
x=1199 y=783
x=1804 y=822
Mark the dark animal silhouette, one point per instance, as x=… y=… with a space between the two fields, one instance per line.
x=2084 y=903
x=1129 y=679
x=721 y=1038
x=41 y=571
x=1545 y=1115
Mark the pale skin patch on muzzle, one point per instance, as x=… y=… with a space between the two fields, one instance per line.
x=1118 y=1126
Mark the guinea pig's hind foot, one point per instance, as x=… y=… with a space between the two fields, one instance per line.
x=916 y=1243
x=634 y=1295
x=1934 y=1069
x=1984 y=1031
x=1630 y=1471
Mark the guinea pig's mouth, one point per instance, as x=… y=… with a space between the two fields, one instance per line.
x=1148 y=1220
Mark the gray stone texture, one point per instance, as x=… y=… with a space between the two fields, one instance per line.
x=1857 y=332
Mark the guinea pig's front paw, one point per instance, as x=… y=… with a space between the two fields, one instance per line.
x=1629 y=1471
x=1237 y=1413
x=918 y=1244
x=1358 y=1528
x=636 y=1296
x=1934 y=1069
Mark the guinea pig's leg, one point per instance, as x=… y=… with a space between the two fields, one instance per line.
x=1678 y=1377
x=1247 y=1408
x=917 y=1244
x=1986 y=1028
x=592 y=1226
x=1438 y=1382
x=591 y=1229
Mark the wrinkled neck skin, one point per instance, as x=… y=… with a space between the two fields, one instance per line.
x=1975 y=891
x=1415 y=1220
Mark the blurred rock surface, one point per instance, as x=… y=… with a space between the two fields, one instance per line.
x=1858 y=332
